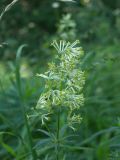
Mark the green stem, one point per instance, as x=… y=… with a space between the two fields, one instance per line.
x=34 y=155
x=58 y=130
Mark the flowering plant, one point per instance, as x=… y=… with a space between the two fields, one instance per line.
x=64 y=82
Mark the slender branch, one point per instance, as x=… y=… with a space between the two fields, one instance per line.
x=7 y=8
x=58 y=130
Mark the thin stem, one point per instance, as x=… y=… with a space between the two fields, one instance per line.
x=34 y=155
x=58 y=130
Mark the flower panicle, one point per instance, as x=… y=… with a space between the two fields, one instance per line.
x=64 y=82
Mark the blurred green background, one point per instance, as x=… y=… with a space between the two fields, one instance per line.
x=35 y=23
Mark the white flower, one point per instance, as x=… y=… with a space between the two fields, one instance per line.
x=55 y=5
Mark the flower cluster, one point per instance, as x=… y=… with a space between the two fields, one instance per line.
x=64 y=82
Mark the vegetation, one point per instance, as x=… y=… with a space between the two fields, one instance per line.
x=70 y=110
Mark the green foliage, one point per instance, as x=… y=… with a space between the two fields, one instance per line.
x=37 y=23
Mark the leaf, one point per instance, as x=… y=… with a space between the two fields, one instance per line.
x=17 y=72
x=8 y=149
x=42 y=150
x=19 y=51
x=43 y=76
x=9 y=133
x=99 y=133
x=75 y=148
x=46 y=133
x=42 y=142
